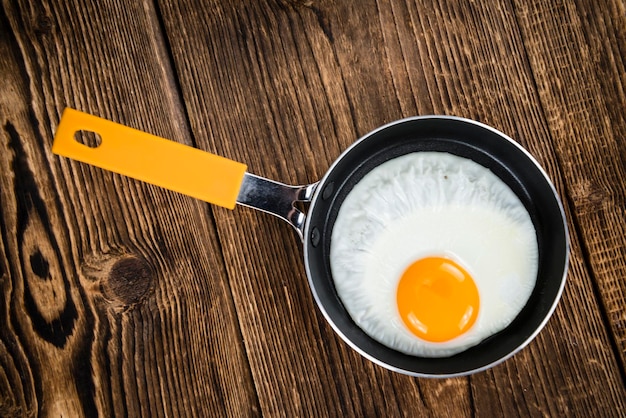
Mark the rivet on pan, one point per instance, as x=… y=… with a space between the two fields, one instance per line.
x=315 y=236
x=328 y=190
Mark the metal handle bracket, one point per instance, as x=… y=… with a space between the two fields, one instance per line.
x=276 y=198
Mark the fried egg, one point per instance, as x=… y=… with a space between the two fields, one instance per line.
x=431 y=253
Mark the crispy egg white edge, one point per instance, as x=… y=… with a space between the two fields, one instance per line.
x=379 y=221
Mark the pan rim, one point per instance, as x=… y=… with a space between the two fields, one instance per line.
x=357 y=348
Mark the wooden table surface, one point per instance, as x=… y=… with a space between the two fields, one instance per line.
x=122 y=298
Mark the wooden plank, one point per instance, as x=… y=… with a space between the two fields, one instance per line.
x=578 y=58
x=300 y=81
x=114 y=295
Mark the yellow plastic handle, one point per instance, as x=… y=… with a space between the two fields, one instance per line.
x=150 y=158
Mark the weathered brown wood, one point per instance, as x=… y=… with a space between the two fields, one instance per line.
x=578 y=59
x=120 y=298
x=114 y=296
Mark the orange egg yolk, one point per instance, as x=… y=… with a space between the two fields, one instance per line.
x=437 y=299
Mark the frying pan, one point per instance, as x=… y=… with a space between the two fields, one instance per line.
x=226 y=183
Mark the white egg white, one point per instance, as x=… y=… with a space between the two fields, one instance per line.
x=432 y=204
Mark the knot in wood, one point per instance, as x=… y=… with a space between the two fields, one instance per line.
x=129 y=280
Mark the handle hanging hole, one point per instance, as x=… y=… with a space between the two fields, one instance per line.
x=88 y=138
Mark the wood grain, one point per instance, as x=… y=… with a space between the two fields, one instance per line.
x=582 y=95
x=119 y=298
x=101 y=310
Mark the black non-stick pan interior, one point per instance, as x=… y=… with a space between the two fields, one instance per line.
x=488 y=148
